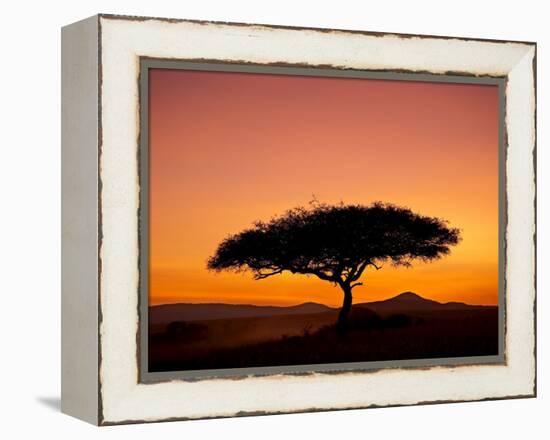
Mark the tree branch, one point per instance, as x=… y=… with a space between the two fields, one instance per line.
x=261 y=276
x=358 y=272
x=355 y=285
x=323 y=276
x=318 y=273
x=375 y=266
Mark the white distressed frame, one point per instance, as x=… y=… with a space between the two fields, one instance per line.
x=122 y=42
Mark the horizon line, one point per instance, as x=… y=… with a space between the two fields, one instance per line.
x=315 y=302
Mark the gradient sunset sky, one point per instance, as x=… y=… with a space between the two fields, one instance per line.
x=227 y=149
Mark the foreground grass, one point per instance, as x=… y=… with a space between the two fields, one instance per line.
x=370 y=338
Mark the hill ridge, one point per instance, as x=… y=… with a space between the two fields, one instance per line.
x=400 y=303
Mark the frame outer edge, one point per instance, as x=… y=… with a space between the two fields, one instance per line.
x=79 y=220
x=142 y=18
x=100 y=419
x=535 y=207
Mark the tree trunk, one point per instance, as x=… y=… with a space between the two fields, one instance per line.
x=342 y=323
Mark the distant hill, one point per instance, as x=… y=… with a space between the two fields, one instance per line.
x=410 y=301
x=402 y=303
x=166 y=313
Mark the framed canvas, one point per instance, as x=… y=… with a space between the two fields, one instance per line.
x=263 y=219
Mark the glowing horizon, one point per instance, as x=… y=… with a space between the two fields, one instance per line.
x=227 y=149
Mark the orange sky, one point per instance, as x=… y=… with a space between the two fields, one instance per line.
x=227 y=149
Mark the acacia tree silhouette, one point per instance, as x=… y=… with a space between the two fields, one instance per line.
x=336 y=243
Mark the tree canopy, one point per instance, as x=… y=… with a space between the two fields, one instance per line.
x=335 y=243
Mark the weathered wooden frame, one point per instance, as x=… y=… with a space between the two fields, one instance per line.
x=101 y=193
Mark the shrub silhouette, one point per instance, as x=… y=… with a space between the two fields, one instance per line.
x=185 y=330
x=363 y=318
x=398 y=320
x=336 y=243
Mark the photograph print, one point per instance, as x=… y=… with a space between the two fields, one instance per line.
x=310 y=219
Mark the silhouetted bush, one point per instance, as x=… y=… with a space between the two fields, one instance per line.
x=185 y=330
x=398 y=320
x=362 y=318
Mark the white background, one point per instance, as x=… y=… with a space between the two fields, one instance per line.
x=30 y=217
